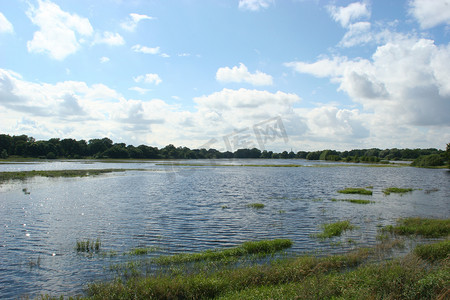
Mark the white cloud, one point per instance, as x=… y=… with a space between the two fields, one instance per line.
x=430 y=13
x=346 y=15
x=144 y=49
x=358 y=34
x=329 y=122
x=60 y=33
x=5 y=25
x=74 y=109
x=241 y=74
x=404 y=87
x=148 y=78
x=109 y=38
x=104 y=59
x=131 y=23
x=140 y=90
x=254 y=5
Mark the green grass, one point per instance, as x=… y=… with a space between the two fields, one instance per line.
x=396 y=190
x=88 y=246
x=265 y=247
x=360 y=191
x=430 y=228
x=206 y=284
x=141 y=251
x=256 y=205
x=357 y=201
x=334 y=229
x=433 y=252
x=402 y=278
x=4 y=176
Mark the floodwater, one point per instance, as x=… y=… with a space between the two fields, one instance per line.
x=181 y=208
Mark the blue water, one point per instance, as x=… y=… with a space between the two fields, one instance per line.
x=189 y=208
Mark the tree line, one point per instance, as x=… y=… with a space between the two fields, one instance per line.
x=25 y=146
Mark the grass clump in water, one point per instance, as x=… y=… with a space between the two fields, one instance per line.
x=396 y=190
x=433 y=252
x=360 y=191
x=430 y=228
x=141 y=251
x=334 y=229
x=357 y=201
x=256 y=205
x=265 y=247
x=88 y=246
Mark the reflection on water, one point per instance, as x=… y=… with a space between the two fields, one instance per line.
x=189 y=208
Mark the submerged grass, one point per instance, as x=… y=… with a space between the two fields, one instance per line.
x=334 y=229
x=4 y=176
x=357 y=201
x=430 y=228
x=142 y=251
x=360 y=191
x=256 y=205
x=265 y=247
x=88 y=245
x=396 y=190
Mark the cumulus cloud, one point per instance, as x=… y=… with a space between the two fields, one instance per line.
x=72 y=108
x=352 y=12
x=104 y=59
x=430 y=13
x=5 y=25
x=131 y=23
x=404 y=84
x=144 y=49
x=329 y=122
x=109 y=38
x=150 y=78
x=60 y=33
x=254 y=5
x=241 y=74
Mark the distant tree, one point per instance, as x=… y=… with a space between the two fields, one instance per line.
x=432 y=160
x=4 y=154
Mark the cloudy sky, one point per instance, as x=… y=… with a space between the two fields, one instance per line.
x=321 y=74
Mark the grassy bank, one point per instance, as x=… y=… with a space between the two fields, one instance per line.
x=4 y=176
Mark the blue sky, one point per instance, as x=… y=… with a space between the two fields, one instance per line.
x=334 y=74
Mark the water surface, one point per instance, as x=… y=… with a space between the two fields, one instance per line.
x=190 y=208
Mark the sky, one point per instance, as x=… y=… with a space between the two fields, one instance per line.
x=228 y=74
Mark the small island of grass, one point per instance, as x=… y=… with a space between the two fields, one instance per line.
x=396 y=190
x=360 y=191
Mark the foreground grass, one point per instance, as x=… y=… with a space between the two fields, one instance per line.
x=430 y=228
x=334 y=229
x=348 y=276
x=248 y=248
x=435 y=251
x=4 y=176
x=207 y=285
x=360 y=191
